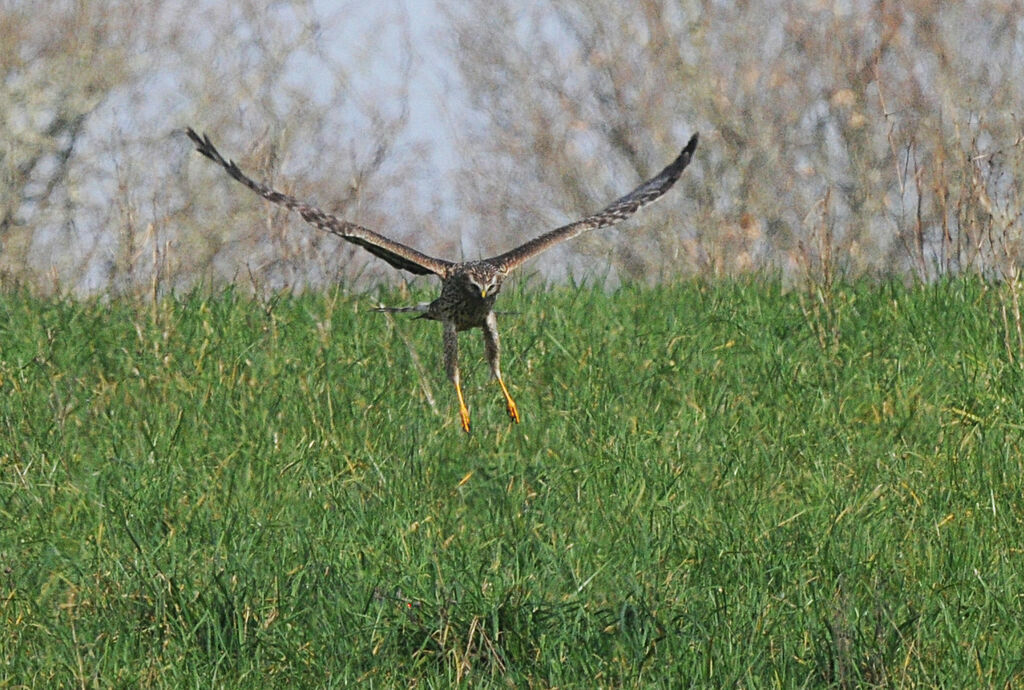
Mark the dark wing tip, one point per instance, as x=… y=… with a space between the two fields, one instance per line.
x=204 y=145
x=676 y=167
x=196 y=139
x=202 y=141
x=673 y=170
x=691 y=145
x=687 y=153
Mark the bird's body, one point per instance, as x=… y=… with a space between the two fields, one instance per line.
x=468 y=289
x=464 y=299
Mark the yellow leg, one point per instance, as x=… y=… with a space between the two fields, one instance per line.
x=492 y=349
x=463 y=410
x=510 y=404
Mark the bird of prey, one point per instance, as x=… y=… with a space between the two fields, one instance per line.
x=468 y=288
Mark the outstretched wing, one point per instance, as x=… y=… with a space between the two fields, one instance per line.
x=395 y=253
x=617 y=211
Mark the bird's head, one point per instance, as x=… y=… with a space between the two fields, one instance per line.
x=483 y=281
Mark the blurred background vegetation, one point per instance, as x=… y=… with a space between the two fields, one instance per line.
x=839 y=139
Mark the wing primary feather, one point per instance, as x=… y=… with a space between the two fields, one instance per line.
x=615 y=212
x=397 y=254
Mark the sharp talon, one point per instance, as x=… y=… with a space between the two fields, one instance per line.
x=513 y=411
x=510 y=404
x=464 y=416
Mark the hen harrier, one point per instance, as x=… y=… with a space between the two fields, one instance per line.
x=468 y=289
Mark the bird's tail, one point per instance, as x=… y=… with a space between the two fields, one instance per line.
x=421 y=308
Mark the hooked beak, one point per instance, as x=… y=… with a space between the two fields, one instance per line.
x=483 y=292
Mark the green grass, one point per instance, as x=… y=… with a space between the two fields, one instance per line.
x=712 y=486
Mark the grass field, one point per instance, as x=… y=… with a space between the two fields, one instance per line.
x=712 y=486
